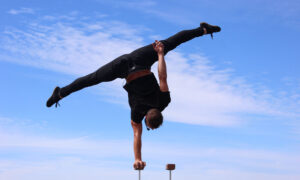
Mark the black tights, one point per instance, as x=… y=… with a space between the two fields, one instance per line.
x=143 y=58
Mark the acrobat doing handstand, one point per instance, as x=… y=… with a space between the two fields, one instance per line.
x=147 y=98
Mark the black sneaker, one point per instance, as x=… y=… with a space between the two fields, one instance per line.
x=54 y=98
x=210 y=29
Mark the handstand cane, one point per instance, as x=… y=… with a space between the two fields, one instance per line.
x=170 y=167
x=140 y=172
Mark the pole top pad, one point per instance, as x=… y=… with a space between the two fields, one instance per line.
x=170 y=167
x=140 y=168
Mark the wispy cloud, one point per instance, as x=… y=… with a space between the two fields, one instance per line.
x=173 y=14
x=70 y=49
x=21 y=11
x=209 y=96
x=201 y=94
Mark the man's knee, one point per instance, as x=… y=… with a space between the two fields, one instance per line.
x=168 y=46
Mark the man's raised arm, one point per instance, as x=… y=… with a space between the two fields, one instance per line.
x=162 y=68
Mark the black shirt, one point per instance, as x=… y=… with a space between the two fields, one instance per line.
x=143 y=94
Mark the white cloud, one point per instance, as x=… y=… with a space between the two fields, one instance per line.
x=21 y=11
x=63 y=168
x=76 y=158
x=201 y=94
x=78 y=169
x=70 y=49
x=79 y=145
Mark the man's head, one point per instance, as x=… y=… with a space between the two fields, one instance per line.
x=154 y=118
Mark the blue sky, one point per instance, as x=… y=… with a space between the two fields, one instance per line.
x=235 y=99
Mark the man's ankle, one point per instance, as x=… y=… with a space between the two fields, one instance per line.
x=59 y=95
x=204 y=31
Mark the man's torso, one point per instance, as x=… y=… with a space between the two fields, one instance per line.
x=143 y=94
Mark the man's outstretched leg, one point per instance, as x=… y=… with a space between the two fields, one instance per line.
x=144 y=57
x=117 y=68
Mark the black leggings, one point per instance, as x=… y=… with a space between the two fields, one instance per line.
x=143 y=58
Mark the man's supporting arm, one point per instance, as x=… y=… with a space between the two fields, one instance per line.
x=137 y=145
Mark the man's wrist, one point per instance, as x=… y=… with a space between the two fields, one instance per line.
x=161 y=54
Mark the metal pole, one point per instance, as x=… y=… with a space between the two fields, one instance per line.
x=170 y=167
x=140 y=168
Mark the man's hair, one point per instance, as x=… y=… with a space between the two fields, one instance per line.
x=154 y=118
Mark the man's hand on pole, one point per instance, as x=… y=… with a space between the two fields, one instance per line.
x=139 y=165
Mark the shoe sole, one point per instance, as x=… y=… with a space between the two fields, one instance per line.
x=54 y=92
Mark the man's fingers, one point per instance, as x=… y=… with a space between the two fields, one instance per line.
x=158 y=43
x=154 y=45
x=139 y=165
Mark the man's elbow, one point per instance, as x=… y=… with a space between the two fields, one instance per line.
x=137 y=135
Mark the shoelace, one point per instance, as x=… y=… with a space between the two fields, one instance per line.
x=57 y=104
x=211 y=35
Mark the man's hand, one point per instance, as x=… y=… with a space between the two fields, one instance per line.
x=162 y=68
x=158 y=47
x=138 y=164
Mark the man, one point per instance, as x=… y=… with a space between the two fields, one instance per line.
x=146 y=97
